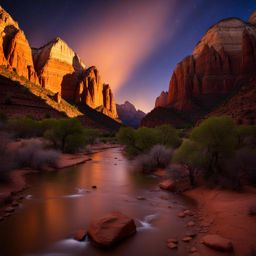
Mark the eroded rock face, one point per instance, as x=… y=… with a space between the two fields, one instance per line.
x=111 y=229
x=129 y=115
x=58 y=67
x=15 y=51
x=162 y=100
x=55 y=66
x=223 y=55
x=223 y=60
x=95 y=94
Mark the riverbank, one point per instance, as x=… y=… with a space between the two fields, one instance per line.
x=11 y=193
x=225 y=213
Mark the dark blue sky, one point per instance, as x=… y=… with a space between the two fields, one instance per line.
x=136 y=44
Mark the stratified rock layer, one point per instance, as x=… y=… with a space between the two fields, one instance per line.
x=15 y=51
x=61 y=70
x=222 y=61
x=55 y=67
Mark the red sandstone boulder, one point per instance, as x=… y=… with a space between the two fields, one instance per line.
x=80 y=235
x=167 y=185
x=217 y=242
x=111 y=229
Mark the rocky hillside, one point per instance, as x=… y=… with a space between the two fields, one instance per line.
x=222 y=62
x=241 y=106
x=55 y=66
x=24 y=98
x=129 y=115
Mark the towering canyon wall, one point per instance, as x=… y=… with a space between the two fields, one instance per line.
x=222 y=61
x=54 y=66
x=15 y=51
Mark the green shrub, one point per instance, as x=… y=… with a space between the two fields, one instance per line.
x=143 y=139
x=168 y=136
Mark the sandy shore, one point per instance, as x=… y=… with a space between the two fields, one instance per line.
x=226 y=213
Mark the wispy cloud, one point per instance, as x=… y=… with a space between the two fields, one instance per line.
x=123 y=37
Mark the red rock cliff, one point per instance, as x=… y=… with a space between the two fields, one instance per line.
x=55 y=66
x=15 y=51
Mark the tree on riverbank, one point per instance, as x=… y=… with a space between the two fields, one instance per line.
x=143 y=139
x=214 y=146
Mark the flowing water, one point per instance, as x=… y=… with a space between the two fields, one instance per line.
x=59 y=203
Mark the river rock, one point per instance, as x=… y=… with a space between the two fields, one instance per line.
x=193 y=249
x=181 y=214
x=80 y=235
x=111 y=229
x=172 y=245
x=141 y=198
x=188 y=213
x=217 y=242
x=187 y=239
x=191 y=224
x=167 y=185
x=172 y=240
x=9 y=209
x=191 y=233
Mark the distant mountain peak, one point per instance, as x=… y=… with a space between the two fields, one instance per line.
x=129 y=115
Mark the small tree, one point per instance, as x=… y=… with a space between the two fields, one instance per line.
x=168 y=136
x=217 y=137
x=146 y=138
x=64 y=132
x=191 y=155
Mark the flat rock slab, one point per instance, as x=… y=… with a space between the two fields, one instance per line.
x=217 y=242
x=111 y=229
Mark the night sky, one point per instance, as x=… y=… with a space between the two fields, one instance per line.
x=135 y=44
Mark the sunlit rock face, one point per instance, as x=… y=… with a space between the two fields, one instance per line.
x=15 y=51
x=94 y=93
x=58 y=67
x=55 y=66
x=162 y=100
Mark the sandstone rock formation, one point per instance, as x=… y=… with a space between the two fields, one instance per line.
x=15 y=51
x=111 y=229
x=61 y=70
x=95 y=94
x=216 y=66
x=162 y=100
x=222 y=61
x=129 y=115
x=55 y=67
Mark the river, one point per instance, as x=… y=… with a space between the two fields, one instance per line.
x=59 y=203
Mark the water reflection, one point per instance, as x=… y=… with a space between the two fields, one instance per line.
x=62 y=202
